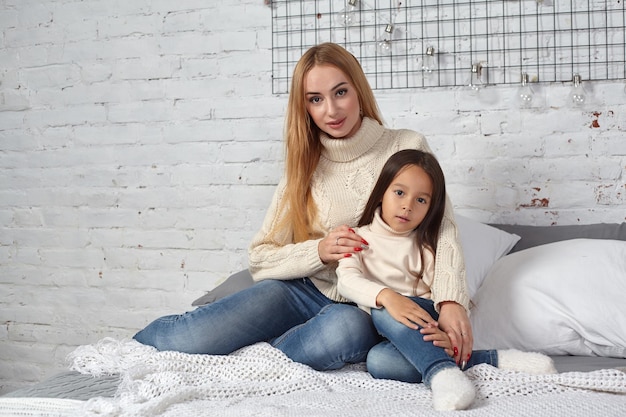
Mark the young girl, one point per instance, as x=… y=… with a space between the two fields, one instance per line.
x=393 y=280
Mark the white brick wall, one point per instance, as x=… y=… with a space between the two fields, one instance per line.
x=140 y=145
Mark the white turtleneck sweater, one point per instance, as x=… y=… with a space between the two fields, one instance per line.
x=344 y=178
x=391 y=261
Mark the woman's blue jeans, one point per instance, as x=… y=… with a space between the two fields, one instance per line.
x=291 y=315
x=405 y=356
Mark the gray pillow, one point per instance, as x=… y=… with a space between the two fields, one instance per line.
x=530 y=236
x=231 y=285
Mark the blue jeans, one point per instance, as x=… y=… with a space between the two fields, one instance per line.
x=405 y=356
x=291 y=315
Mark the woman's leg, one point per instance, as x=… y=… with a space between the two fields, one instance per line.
x=258 y=313
x=338 y=335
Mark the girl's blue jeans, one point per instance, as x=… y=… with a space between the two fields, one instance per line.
x=291 y=315
x=405 y=356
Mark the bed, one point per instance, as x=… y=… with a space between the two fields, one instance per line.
x=555 y=289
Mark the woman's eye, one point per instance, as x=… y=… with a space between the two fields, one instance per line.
x=342 y=92
x=314 y=100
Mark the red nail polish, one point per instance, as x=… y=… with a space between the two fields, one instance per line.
x=347 y=255
x=456 y=351
x=468 y=357
x=365 y=242
x=358 y=249
x=351 y=230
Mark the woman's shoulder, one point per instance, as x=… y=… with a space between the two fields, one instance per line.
x=405 y=134
x=404 y=139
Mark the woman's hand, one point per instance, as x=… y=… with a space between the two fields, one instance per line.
x=454 y=321
x=404 y=310
x=341 y=242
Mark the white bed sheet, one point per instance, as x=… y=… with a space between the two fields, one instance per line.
x=260 y=381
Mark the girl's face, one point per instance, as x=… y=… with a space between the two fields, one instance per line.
x=332 y=101
x=407 y=199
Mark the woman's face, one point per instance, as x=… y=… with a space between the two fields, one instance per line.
x=332 y=101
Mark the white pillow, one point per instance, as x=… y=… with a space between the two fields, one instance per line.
x=482 y=246
x=562 y=298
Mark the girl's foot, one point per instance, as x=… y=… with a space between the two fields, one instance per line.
x=527 y=362
x=452 y=390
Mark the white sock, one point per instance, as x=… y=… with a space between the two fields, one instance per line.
x=452 y=390
x=528 y=362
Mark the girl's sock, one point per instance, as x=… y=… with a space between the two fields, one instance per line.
x=452 y=390
x=528 y=362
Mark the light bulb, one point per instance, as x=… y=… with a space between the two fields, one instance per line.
x=384 y=41
x=525 y=94
x=475 y=83
x=577 y=93
x=429 y=63
x=350 y=15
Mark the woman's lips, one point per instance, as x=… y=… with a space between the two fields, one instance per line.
x=337 y=124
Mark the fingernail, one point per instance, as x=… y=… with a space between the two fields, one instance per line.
x=347 y=255
x=456 y=351
x=351 y=230
x=358 y=249
x=364 y=246
x=364 y=242
x=468 y=356
x=463 y=364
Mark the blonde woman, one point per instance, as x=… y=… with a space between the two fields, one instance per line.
x=336 y=145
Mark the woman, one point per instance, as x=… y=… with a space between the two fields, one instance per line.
x=336 y=145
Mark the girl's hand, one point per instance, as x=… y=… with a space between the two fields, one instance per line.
x=341 y=242
x=404 y=310
x=438 y=337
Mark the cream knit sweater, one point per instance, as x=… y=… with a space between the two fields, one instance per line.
x=341 y=185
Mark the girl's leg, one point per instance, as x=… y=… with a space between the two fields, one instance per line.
x=451 y=389
x=384 y=361
x=425 y=357
x=338 y=335
x=258 y=313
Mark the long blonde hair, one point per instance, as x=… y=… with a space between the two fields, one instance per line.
x=303 y=146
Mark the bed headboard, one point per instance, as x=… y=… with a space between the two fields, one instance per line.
x=540 y=235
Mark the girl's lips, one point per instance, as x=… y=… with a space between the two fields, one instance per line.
x=402 y=219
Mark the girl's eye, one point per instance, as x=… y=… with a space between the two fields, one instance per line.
x=422 y=200
x=399 y=192
x=314 y=100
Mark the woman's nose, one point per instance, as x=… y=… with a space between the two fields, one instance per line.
x=331 y=107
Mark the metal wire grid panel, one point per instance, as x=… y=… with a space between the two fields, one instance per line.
x=550 y=40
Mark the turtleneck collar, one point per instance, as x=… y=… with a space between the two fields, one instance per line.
x=347 y=149
x=379 y=226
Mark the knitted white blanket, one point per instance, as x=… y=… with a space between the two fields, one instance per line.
x=260 y=381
